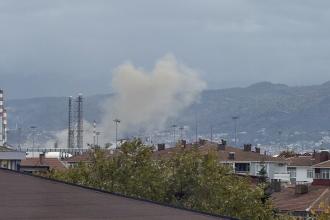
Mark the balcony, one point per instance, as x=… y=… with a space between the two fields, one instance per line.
x=284 y=177
x=321 y=179
x=321 y=176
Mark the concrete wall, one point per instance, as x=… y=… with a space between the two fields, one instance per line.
x=301 y=174
x=12 y=155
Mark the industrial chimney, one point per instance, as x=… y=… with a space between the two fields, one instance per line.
x=75 y=122
x=3 y=120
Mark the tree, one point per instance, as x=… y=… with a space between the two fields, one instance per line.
x=287 y=154
x=323 y=212
x=188 y=178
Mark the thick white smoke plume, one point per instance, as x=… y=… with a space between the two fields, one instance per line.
x=143 y=101
x=146 y=100
x=61 y=137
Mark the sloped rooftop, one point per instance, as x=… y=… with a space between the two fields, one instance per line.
x=28 y=197
x=240 y=154
x=288 y=201
x=52 y=163
x=324 y=164
x=301 y=161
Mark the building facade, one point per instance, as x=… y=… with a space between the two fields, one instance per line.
x=246 y=161
x=300 y=168
x=10 y=159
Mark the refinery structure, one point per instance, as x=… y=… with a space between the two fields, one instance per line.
x=3 y=120
x=75 y=122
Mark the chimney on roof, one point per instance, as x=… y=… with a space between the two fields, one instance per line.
x=222 y=145
x=231 y=156
x=161 y=147
x=301 y=188
x=247 y=147
x=42 y=158
x=321 y=156
x=276 y=185
x=258 y=150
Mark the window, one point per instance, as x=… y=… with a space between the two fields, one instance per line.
x=292 y=171
x=325 y=174
x=242 y=167
x=310 y=174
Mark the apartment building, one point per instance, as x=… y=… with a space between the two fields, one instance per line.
x=243 y=161
x=10 y=158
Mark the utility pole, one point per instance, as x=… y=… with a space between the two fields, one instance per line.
x=235 y=118
x=211 y=133
x=174 y=128
x=19 y=138
x=94 y=133
x=280 y=142
x=117 y=121
x=33 y=128
x=196 y=129
x=181 y=132
x=97 y=133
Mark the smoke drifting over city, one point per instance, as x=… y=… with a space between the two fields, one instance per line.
x=146 y=100
x=143 y=101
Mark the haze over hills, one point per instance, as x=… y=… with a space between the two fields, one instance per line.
x=268 y=114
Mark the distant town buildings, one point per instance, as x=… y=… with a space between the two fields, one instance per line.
x=41 y=164
x=244 y=161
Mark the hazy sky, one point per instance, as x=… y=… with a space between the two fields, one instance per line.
x=59 y=48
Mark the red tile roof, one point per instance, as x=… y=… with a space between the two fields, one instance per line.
x=288 y=201
x=301 y=161
x=240 y=155
x=52 y=163
x=324 y=164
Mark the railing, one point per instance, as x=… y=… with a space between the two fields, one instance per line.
x=319 y=176
x=282 y=176
x=242 y=171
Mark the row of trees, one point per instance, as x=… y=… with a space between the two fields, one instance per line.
x=186 y=179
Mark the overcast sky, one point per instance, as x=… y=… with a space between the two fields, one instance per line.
x=59 y=48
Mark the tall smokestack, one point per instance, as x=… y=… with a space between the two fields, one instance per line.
x=80 y=126
x=70 y=125
x=3 y=120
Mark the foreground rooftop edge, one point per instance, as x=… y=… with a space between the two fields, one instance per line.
x=25 y=196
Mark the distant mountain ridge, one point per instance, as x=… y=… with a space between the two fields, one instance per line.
x=268 y=112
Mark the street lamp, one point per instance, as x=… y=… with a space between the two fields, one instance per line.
x=94 y=133
x=181 y=132
x=174 y=128
x=235 y=118
x=97 y=133
x=117 y=121
x=33 y=128
x=211 y=133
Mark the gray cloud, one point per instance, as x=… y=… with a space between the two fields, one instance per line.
x=62 y=47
